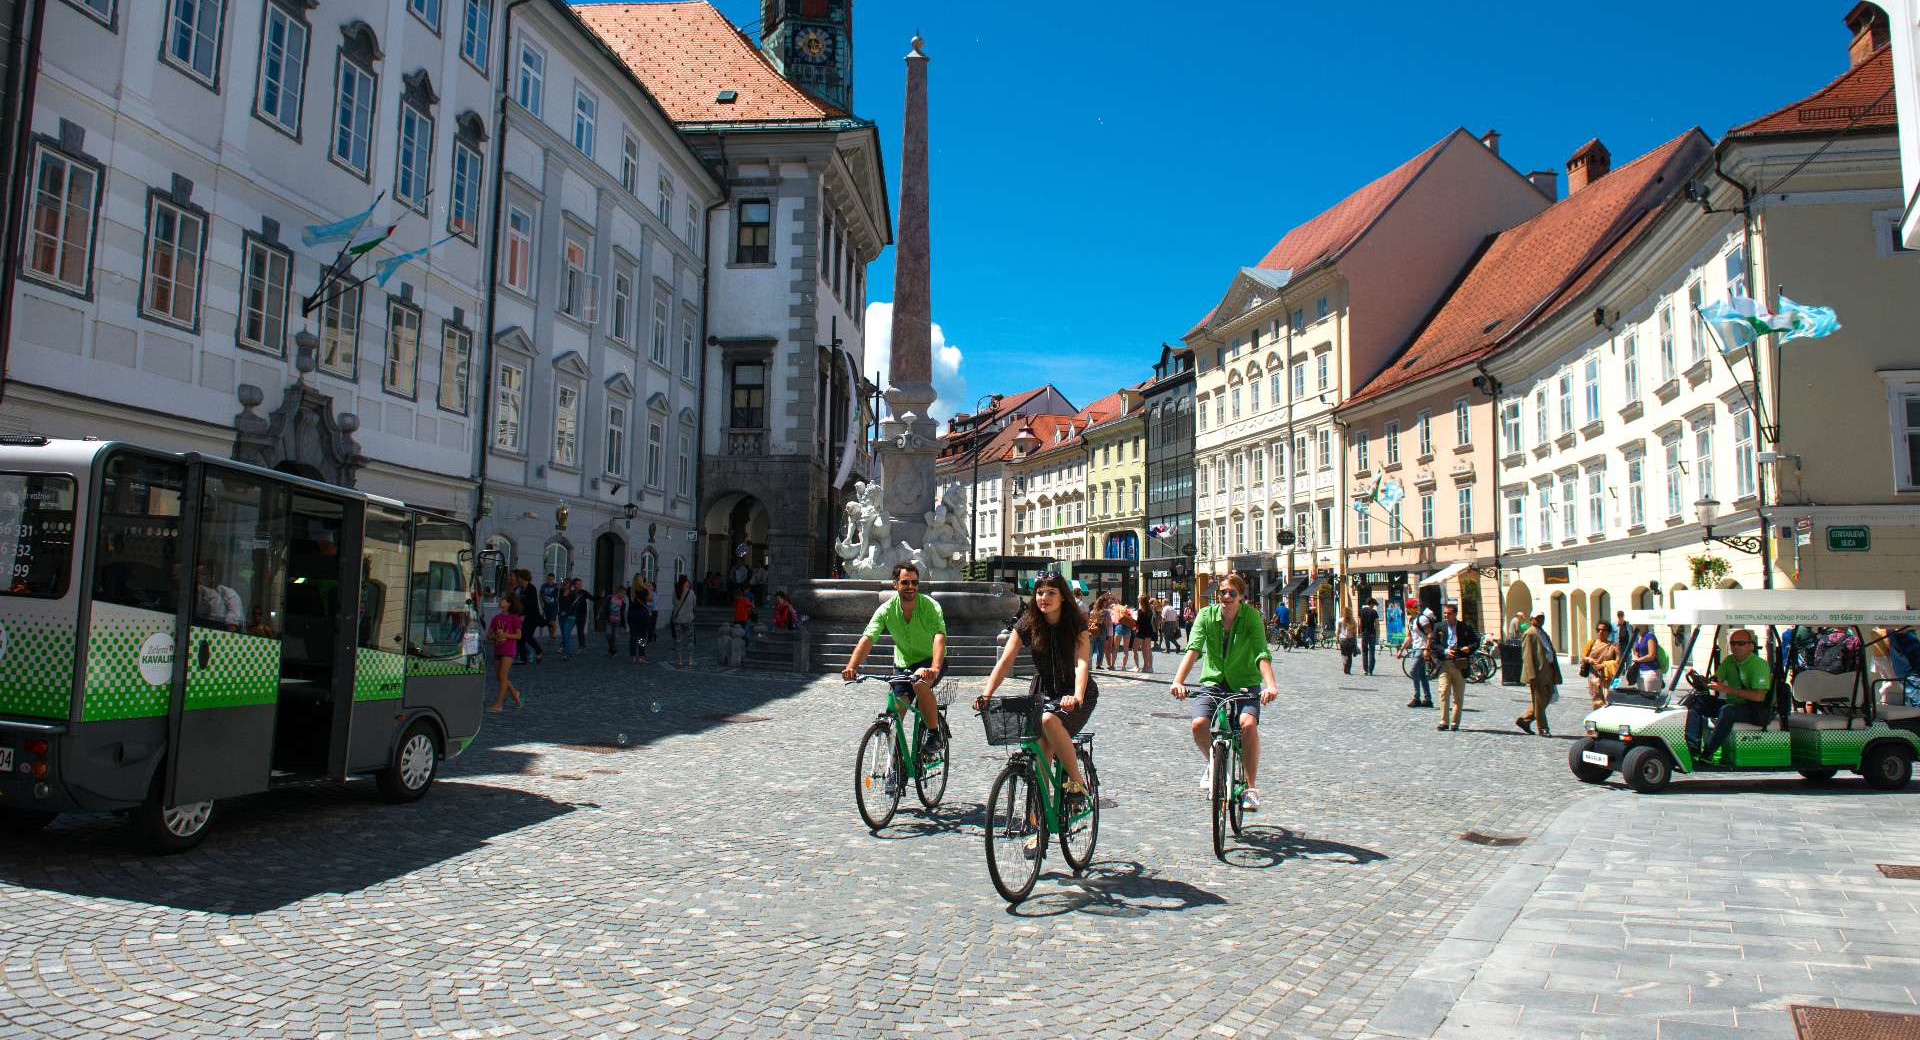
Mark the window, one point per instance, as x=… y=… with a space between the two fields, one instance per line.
x=1540 y=415
x=1462 y=423
x=749 y=396
x=687 y=368
x=1206 y=541
x=692 y=235
x=1517 y=520
x=753 y=232
x=1703 y=460
x=340 y=332
x=1423 y=428
x=1320 y=368
x=427 y=11
x=1200 y=476
x=66 y=194
x=1362 y=441
x=1236 y=402
x=1273 y=387
x=1240 y=471
x=463 y=209
x=630 y=165
x=476 y=30
x=1590 y=389
x=1543 y=510
x=242 y=542
x=1666 y=342
x=1904 y=399
x=1201 y=402
x=518 y=256
x=1326 y=525
x=622 y=305
x=530 y=86
x=1220 y=409
x=1259 y=532
x=1742 y=452
x=663 y=202
x=1365 y=522
x=456 y=358
x=1299 y=379
x=1390 y=434
x=1324 y=446
x=1676 y=494
x=1637 y=491
x=413 y=172
x=1299 y=319
x=1319 y=308
x=100 y=9
x=1426 y=515
x=509 y=395
x=1630 y=367
x=1596 y=501
x=1300 y=454
x=1510 y=427
x=193 y=38
x=579 y=291
x=1696 y=326
x=1239 y=534
x=1466 y=510
x=1737 y=272
x=176 y=241
x=283 y=64
x=656 y=470
x=353 y=116
x=37 y=512
x=683 y=476
x=1569 y=515
x=442 y=553
x=1253 y=394
x=616 y=456
x=657 y=348
x=403 y=349
x=1566 y=402
x=263 y=297
x=585 y=110
x=566 y=426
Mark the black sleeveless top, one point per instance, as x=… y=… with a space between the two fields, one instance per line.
x=1053 y=667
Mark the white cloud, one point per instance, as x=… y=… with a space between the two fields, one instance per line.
x=949 y=386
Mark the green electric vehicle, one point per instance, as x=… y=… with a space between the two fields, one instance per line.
x=327 y=634
x=1822 y=722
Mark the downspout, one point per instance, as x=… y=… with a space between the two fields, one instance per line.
x=706 y=298
x=484 y=442
x=1759 y=469
x=26 y=79
x=1499 y=590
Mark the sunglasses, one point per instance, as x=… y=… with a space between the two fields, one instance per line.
x=1739 y=642
x=1051 y=576
x=907 y=584
x=1229 y=594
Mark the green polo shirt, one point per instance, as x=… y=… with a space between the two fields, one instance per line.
x=1751 y=674
x=912 y=639
x=1236 y=666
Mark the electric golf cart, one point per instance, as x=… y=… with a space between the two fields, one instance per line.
x=1821 y=721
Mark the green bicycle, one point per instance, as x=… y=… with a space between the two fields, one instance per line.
x=889 y=759
x=1027 y=803
x=1227 y=785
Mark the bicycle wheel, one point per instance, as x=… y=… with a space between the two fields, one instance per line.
x=1219 y=795
x=877 y=776
x=1481 y=668
x=1079 y=834
x=1237 y=769
x=1013 y=820
x=931 y=784
x=1406 y=665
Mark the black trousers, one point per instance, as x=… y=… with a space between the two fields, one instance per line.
x=529 y=644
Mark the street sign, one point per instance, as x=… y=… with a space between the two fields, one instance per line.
x=1283 y=537
x=1803 y=531
x=1555 y=575
x=1849 y=539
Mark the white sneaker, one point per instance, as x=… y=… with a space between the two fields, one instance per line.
x=1250 y=800
x=1206 y=780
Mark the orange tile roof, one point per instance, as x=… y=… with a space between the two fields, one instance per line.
x=1862 y=98
x=1531 y=271
x=687 y=53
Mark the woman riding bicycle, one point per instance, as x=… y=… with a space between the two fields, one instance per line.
x=1055 y=632
x=1230 y=642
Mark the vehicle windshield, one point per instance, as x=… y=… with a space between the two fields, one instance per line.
x=36 y=533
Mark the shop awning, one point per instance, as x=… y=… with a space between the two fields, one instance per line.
x=1315 y=585
x=1440 y=576
x=1293 y=587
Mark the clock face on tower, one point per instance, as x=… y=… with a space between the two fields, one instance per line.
x=814 y=45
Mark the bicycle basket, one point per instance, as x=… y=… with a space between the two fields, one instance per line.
x=1010 y=720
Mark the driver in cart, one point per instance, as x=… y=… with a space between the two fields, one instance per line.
x=1745 y=681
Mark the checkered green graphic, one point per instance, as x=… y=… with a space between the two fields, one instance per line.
x=378 y=675
x=1757 y=750
x=115 y=689
x=240 y=670
x=36 y=666
x=424 y=666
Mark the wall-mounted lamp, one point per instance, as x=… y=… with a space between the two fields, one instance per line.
x=1707 y=511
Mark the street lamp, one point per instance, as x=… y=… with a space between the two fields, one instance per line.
x=1706 y=511
x=628 y=512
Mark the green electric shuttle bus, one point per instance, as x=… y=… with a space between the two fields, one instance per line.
x=327 y=633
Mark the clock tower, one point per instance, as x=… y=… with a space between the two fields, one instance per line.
x=810 y=42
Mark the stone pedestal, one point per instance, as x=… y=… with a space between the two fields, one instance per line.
x=972 y=608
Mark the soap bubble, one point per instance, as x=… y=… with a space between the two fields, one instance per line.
x=656 y=707
x=621 y=739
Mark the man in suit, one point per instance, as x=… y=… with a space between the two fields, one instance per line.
x=1540 y=670
x=1454 y=643
x=1369 y=635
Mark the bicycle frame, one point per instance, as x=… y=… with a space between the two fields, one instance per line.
x=1052 y=786
x=908 y=747
x=1226 y=727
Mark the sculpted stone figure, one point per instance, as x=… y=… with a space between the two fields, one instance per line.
x=868 y=550
x=948 y=536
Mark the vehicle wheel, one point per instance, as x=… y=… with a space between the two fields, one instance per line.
x=18 y=823
x=1013 y=819
x=931 y=784
x=165 y=830
x=877 y=776
x=416 y=760
x=1819 y=776
x=1886 y=767
x=1079 y=835
x=1218 y=795
x=1586 y=771
x=1646 y=769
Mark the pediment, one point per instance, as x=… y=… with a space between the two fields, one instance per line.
x=572 y=364
x=658 y=402
x=619 y=385
x=514 y=338
x=1250 y=288
x=687 y=417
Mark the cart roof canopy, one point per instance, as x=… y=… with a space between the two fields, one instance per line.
x=1781 y=607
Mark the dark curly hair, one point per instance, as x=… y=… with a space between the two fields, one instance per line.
x=1072 y=624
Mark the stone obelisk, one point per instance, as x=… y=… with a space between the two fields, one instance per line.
x=910 y=436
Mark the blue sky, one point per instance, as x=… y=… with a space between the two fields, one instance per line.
x=1099 y=171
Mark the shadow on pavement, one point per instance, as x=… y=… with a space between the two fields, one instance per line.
x=919 y=821
x=1115 y=888
x=268 y=851
x=1261 y=847
x=1749 y=783
x=1516 y=732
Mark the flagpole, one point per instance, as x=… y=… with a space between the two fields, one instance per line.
x=330 y=273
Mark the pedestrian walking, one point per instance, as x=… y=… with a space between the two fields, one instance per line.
x=1598 y=663
x=576 y=606
x=1170 y=626
x=684 y=609
x=784 y=617
x=550 y=605
x=504 y=633
x=640 y=610
x=1098 y=628
x=1419 y=637
x=1455 y=640
x=1143 y=633
x=613 y=614
x=1540 y=670
x=531 y=618
x=1313 y=623
x=1369 y=635
x=1346 y=634
x=1120 y=642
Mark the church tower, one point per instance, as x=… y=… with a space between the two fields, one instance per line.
x=810 y=42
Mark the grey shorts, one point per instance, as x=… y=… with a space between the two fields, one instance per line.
x=1205 y=699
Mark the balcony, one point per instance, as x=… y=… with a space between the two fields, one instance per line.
x=746 y=444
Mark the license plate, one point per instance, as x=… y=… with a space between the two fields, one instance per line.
x=1593 y=758
x=6 y=760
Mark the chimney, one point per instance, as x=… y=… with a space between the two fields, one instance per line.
x=1589 y=164
x=1547 y=183
x=1491 y=139
x=1869 y=25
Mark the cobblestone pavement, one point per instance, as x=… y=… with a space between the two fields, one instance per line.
x=711 y=879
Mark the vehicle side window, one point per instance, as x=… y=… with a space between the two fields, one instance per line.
x=237 y=574
x=439 y=607
x=383 y=581
x=36 y=534
x=137 y=555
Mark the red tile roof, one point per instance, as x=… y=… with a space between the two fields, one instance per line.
x=687 y=53
x=1531 y=271
x=1861 y=98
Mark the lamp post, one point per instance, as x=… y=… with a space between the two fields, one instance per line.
x=1707 y=510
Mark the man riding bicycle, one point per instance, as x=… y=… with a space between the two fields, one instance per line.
x=919 y=634
x=1230 y=643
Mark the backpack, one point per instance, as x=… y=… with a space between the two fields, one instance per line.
x=1834 y=650
x=1660 y=659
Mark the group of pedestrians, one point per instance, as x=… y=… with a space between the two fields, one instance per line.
x=1123 y=638
x=566 y=609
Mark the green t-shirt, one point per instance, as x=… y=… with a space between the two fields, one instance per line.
x=1234 y=664
x=1751 y=674
x=912 y=639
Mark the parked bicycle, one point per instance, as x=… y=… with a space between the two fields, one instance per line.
x=1479 y=666
x=889 y=759
x=1227 y=780
x=1027 y=804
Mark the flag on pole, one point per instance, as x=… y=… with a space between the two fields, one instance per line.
x=1391 y=494
x=1738 y=322
x=1160 y=531
x=1804 y=322
x=1372 y=495
x=385 y=268
x=367 y=242
x=341 y=230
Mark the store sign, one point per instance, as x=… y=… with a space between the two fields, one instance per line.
x=1849 y=539
x=1803 y=531
x=1555 y=575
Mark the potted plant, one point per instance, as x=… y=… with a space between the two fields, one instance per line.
x=1707 y=571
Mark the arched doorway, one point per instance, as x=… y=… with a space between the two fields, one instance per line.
x=558 y=560
x=1602 y=607
x=609 y=563
x=1577 y=626
x=1557 y=619
x=734 y=522
x=1519 y=601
